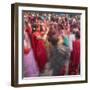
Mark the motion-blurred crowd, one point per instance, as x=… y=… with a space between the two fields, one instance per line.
x=51 y=44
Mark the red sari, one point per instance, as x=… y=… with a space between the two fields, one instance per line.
x=75 y=58
x=39 y=50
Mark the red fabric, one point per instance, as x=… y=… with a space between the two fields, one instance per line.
x=28 y=30
x=39 y=51
x=63 y=70
x=26 y=50
x=76 y=52
x=75 y=58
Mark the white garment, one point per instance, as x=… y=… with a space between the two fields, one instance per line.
x=71 y=39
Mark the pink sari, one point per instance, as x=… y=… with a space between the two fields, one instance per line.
x=29 y=63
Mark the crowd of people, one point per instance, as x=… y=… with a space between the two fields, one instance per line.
x=51 y=44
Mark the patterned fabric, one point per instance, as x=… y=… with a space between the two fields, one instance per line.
x=59 y=56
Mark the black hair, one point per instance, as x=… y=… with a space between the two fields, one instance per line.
x=41 y=29
x=53 y=41
x=77 y=35
x=34 y=27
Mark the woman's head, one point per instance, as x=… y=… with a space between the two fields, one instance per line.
x=53 y=35
x=34 y=27
x=77 y=35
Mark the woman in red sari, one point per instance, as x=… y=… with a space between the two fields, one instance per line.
x=38 y=41
x=74 y=68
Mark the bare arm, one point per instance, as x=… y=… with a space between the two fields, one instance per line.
x=44 y=36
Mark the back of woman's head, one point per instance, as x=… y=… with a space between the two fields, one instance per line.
x=77 y=35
